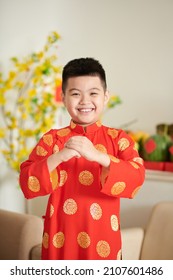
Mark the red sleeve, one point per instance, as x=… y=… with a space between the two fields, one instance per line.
x=126 y=172
x=35 y=179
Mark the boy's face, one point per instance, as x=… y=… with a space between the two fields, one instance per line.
x=85 y=99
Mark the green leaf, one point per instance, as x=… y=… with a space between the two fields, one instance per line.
x=34 y=100
x=14 y=59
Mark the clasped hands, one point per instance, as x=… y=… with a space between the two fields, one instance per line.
x=78 y=146
x=82 y=146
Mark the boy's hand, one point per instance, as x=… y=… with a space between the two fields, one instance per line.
x=78 y=146
x=62 y=156
x=86 y=149
x=66 y=154
x=83 y=146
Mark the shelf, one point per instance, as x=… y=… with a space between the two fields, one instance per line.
x=155 y=175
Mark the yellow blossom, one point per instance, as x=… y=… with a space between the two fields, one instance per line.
x=2 y=98
x=12 y=75
x=58 y=82
x=32 y=92
x=113 y=101
x=2 y=133
x=24 y=116
x=53 y=37
x=15 y=165
x=19 y=84
x=40 y=55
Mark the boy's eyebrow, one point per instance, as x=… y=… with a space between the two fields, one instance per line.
x=95 y=88
x=71 y=89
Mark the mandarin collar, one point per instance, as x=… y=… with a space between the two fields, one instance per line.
x=88 y=129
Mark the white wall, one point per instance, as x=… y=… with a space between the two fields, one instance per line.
x=133 y=39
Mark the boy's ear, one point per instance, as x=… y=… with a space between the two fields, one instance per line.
x=107 y=96
x=63 y=97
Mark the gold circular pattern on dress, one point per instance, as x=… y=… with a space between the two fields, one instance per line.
x=123 y=144
x=86 y=178
x=112 y=132
x=98 y=123
x=119 y=255
x=101 y=148
x=55 y=149
x=54 y=179
x=40 y=151
x=114 y=223
x=58 y=239
x=33 y=184
x=48 y=139
x=135 y=165
x=45 y=240
x=139 y=160
x=70 y=206
x=114 y=159
x=118 y=188
x=63 y=132
x=135 y=192
x=95 y=211
x=103 y=249
x=83 y=240
x=72 y=125
x=51 y=210
x=63 y=178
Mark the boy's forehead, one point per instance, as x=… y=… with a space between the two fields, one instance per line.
x=84 y=81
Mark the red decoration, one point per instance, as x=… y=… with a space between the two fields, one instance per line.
x=161 y=166
x=153 y=165
x=58 y=92
x=171 y=150
x=150 y=146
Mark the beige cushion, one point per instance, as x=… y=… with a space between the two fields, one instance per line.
x=36 y=252
x=158 y=240
x=131 y=243
x=18 y=234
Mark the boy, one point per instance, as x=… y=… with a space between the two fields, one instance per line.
x=86 y=168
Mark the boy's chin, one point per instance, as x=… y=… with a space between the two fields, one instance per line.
x=82 y=123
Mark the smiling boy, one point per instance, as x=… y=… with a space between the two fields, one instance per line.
x=86 y=168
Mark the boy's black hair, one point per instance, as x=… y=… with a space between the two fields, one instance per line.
x=83 y=67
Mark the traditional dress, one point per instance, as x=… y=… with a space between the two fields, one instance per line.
x=82 y=219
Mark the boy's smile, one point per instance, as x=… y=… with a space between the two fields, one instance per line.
x=85 y=99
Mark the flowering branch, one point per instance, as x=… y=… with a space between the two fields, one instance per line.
x=27 y=101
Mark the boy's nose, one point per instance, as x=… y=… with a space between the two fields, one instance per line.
x=84 y=100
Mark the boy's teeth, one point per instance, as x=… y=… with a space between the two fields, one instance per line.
x=85 y=110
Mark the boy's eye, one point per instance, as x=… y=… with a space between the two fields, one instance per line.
x=75 y=93
x=94 y=93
